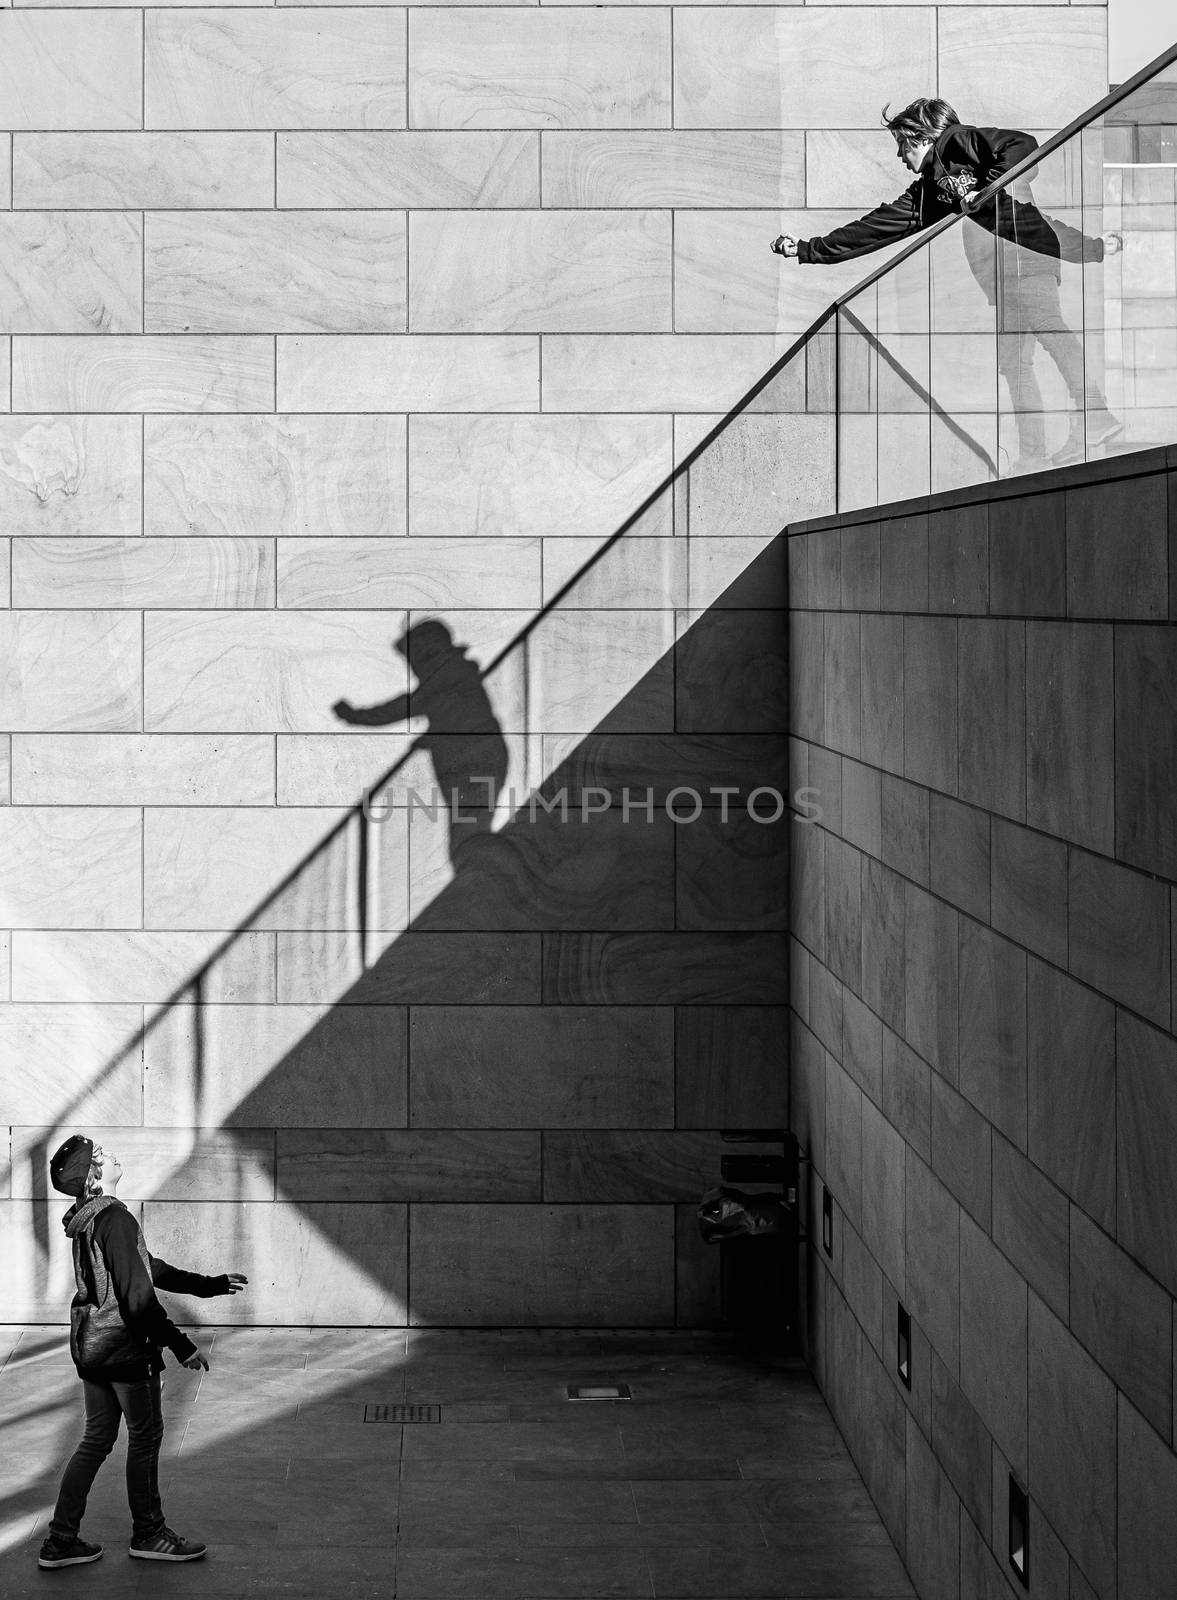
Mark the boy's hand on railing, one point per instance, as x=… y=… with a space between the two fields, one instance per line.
x=784 y=245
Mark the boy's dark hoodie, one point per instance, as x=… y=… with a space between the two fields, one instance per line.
x=118 y=1328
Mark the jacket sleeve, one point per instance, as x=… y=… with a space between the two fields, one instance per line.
x=133 y=1288
x=883 y=225
x=176 y=1281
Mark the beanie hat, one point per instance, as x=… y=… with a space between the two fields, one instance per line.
x=70 y=1166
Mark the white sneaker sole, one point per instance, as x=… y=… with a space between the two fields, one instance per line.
x=160 y=1555
x=70 y=1561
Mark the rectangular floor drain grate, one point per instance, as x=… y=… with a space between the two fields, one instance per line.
x=599 y=1391
x=402 y=1413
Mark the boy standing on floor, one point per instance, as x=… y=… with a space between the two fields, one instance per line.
x=117 y=1328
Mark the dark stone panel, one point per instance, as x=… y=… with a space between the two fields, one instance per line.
x=882 y=1453
x=569 y=1266
x=932 y=981
x=992 y=725
x=825 y=570
x=1030 y=1221
x=933 y=1521
x=933 y=1260
x=993 y=1028
x=418 y=969
x=883 y=910
x=906 y=828
x=360 y=1051
x=807 y=886
x=799 y=986
x=881 y=657
x=731 y=1066
x=542 y=1067
x=993 y=1340
x=960 y=855
x=1071 y=1084
x=705 y=762
x=862 y=1283
x=400 y=1164
x=732 y=672
x=1072 y=1432
x=806 y=688
x=1117 y=549
x=676 y=969
x=825 y=783
x=907 y=1093
x=963 y=1444
x=962 y=1155
x=842 y=672
x=862 y=1045
x=862 y=814
x=884 y=1191
x=1069 y=726
x=1028 y=556
x=860 y=567
x=807 y=1091
x=844 y=1142
x=824 y=789
x=1148 y=1493
x=1119 y=934
x=825 y=1001
x=904 y=565
x=1030 y=889
x=732 y=874
x=1146 y=748
x=844 y=911
x=696 y=1268
x=958 y=559
x=556 y=872
x=1172 y=477
x=1125 y=1319
x=930 y=701
x=1146 y=1114
x=798 y=544
x=594 y=1164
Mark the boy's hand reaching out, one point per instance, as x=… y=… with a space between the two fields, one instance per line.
x=195 y=1362
x=784 y=245
x=237 y=1282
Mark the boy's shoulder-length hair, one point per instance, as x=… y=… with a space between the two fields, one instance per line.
x=922 y=119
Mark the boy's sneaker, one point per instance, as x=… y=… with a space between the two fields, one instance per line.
x=67 y=1553
x=167 y=1546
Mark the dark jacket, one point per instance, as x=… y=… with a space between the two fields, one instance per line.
x=117 y=1326
x=961 y=159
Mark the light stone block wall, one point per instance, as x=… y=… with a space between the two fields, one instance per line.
x=316 y=323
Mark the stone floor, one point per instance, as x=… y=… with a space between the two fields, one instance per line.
x=722 y=1477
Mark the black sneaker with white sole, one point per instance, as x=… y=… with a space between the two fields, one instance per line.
x=67 y=1552
x=167 y=1546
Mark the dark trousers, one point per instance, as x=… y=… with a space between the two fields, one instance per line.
x=106 y=1405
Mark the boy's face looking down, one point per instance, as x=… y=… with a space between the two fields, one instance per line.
x=911 y=152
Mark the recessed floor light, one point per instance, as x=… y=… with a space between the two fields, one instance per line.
x=599 y=1391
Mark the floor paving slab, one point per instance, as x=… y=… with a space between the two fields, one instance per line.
x=724 y=1477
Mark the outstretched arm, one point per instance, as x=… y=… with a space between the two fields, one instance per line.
x=175 y=1281
x=886 y=223
x=373 y=716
